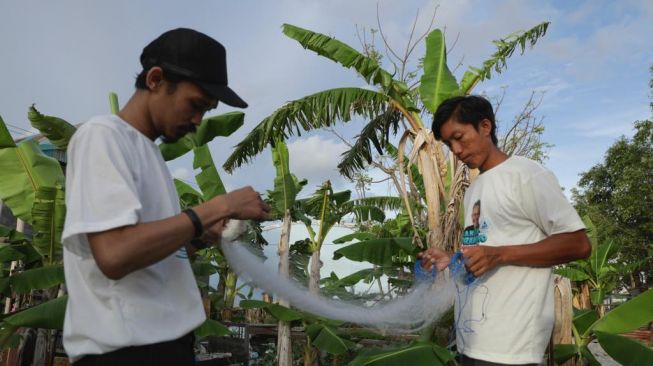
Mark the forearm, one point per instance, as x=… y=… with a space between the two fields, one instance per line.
x=555 y=249
x=121 y=251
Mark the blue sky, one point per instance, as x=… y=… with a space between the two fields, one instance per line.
x=593 y=65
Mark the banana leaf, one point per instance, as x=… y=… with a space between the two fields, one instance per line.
x=573 y=274
x=414 y=354
x=360 y=236
x=211 y=327
x=221 y=125
x=584 y=319
x=278 y=311
x=627 y=316
x=8 y=254
x=319 y=110
x=437 y=83
x=563 y=352
x=11 y=235
x=57 y=130
x=326 y=339
x=382 y=251
x=286 y=185
x=345 y=55
x=505 y=48
x=625 y=350
x=188 y=196
x=37 y=278
x=48 y=315
x=208 y=179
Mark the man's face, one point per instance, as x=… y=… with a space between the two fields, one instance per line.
x=476 y=214
x=179 y=110
x=468 y=144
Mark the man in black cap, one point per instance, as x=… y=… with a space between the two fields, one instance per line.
x=133 y=299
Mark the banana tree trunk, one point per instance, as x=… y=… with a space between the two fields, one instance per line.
x=314 y=274
x=284 y=345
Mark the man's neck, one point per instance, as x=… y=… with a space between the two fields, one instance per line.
x=495 y=157
x=136 y=113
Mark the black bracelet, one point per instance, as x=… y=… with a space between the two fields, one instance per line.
x=197 y=223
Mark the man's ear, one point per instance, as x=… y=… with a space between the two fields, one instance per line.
x=153 y=78
x=485 y=127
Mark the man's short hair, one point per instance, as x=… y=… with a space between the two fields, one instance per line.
x=469 y=109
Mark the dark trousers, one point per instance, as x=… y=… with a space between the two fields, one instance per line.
x=178 y=352
x=467 y=361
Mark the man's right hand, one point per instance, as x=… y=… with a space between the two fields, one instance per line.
x=434 y=257
x=245 y=204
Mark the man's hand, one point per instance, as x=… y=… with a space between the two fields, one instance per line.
x=434 y=257
x=246 y=204
x=213 y=234
x=480 y=259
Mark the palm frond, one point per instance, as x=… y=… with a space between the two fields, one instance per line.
x=377 y=132
x=315 y=111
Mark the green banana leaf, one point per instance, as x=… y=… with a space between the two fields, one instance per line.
x=203 y=268
x=584 y=319
x=25 y=170
x=208 y=179
x=326 y=339
x=11 y=235
x=505 y=48
x=414 y=354
x=31 y=185
x=278 y=311
x=589 y=357
x=437 y=83
x=345 y=55
x=221 y=125
x=573 y=274
x=627 y=316
x=188 y=196
x=381 y=252
x=8 y=254
x=625 y=350
x=6 y=140
x=48 y=315
x=57 y=130
x=322 y=109
x=286 y=185
x=563 y=352
x=37 y=278
x=360 y=236
x=211 y=327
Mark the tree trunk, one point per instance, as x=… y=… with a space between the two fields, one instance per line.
x=562 y=328
x=314 y=274
x=284 y=345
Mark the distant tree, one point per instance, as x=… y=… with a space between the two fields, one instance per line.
x=618 y=196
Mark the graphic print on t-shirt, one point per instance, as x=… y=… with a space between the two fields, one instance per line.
x=476 y=233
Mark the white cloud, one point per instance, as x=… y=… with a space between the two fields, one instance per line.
x=181 y=173
x=316 y=159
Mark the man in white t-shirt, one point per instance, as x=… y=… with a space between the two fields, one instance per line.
x=525 y=226
x=133 y=299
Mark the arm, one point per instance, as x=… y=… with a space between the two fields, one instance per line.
x=555 y=249
x=123 y=250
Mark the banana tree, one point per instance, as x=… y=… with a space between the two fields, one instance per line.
x=628 y=316
x=599 y=273
x=394 y=102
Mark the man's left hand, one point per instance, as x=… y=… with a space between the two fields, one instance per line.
x=480 y=259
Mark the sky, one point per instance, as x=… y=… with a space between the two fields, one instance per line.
x=591 y=69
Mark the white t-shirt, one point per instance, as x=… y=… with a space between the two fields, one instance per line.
x=507 y=315
x=116 y=177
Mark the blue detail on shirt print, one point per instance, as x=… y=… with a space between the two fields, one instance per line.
x=472 y=236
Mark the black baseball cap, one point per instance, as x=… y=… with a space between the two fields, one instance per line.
x=196 y=56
